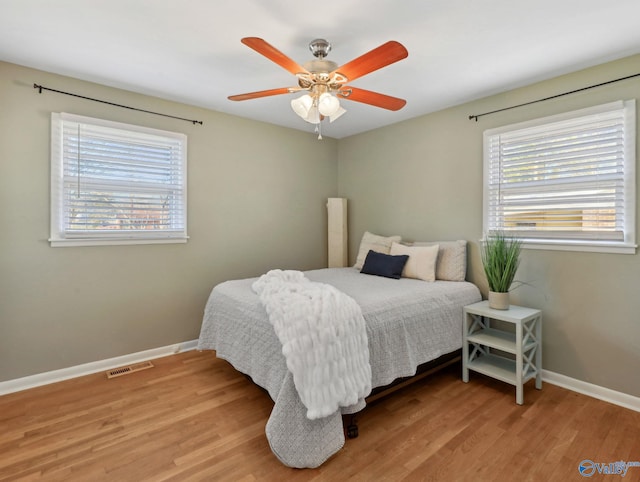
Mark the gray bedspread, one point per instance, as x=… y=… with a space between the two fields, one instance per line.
x=409 y=322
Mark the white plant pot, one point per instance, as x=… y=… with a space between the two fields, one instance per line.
x=498 y=301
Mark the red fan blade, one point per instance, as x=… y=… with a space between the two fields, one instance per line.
x=273 y=54
x=375 y=59
x=371 y=98
x=263 y=93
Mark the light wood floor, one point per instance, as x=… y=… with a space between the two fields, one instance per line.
x=193 y=417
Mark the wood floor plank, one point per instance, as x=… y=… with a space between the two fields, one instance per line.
x=193 y=417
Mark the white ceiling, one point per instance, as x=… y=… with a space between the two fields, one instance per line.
x=190 y=51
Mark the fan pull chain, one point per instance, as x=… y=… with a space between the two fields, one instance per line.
x=318 y=130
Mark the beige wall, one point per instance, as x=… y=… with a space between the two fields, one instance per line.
x=256 y=200
x=256 y=203
x=423 y=179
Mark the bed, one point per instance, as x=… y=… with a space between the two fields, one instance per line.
x=409 y=322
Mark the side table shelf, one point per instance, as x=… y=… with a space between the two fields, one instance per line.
x=486 y=347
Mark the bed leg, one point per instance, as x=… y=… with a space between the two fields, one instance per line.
x=352 y=427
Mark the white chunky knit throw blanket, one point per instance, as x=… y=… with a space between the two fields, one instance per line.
x=324 y=340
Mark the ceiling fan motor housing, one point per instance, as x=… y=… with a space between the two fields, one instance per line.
x=319 y=66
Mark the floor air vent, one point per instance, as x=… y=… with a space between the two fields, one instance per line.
x=117 y=372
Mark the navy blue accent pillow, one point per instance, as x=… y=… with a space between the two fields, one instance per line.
x=386 y=265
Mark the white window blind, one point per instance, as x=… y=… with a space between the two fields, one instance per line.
x=564 y=180
x=114 y=183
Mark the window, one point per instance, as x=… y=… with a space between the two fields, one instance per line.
x=115 y=183
x=566 y=181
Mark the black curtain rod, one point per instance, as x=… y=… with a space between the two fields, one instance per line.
x=41 y=88
x=475 y=116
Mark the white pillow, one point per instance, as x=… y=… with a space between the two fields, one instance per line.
x=380 y=244
x=421 y=263
x=452 y=259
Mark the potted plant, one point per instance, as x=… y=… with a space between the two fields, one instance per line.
x=500 y=258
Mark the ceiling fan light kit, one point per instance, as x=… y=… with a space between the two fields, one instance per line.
x=324 y=81
x=313 y=108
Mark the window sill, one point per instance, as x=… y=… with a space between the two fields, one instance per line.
x=69 y=243
x=590 y=247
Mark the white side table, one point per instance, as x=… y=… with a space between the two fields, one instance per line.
x=485 y=345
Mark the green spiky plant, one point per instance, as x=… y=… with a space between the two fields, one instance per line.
x=500 y=258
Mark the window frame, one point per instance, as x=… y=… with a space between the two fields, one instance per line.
x=60 y=235
x=628 y=244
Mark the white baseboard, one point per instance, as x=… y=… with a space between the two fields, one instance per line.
x=10 y=386
x=595 y=391
x=39 y=379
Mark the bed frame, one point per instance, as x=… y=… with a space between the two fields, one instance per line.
x=350 y=422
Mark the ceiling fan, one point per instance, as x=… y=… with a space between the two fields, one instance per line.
x=325 y=82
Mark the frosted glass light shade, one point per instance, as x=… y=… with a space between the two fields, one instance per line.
x=337 y=114
x=328 y=105
x=313 y=116
x=302 y=105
